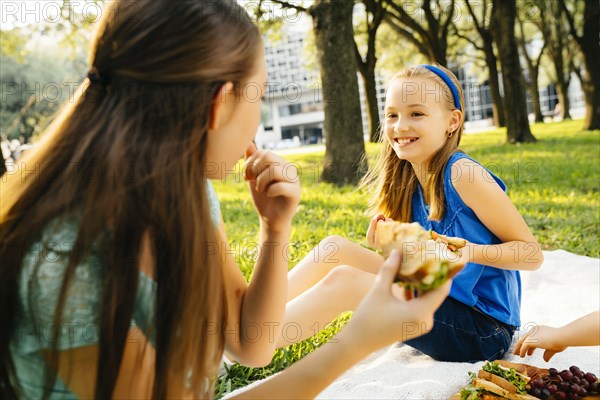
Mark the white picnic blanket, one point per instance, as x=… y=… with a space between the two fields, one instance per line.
x=566 y=287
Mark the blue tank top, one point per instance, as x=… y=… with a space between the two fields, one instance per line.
x=494 y=291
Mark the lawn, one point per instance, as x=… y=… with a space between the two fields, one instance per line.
x=555 y=184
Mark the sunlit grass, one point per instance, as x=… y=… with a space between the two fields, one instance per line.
x=555 y=184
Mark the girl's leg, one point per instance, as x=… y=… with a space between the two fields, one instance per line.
x=328 y=254
x=340 y=290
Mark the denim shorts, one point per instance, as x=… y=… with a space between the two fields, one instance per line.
x=463 y=333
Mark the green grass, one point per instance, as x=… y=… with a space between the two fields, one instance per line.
x=554 y=183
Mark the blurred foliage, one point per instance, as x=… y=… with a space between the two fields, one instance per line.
x=49 y=75
x=43 y=63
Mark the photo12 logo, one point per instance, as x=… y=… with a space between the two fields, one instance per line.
x=50 y=12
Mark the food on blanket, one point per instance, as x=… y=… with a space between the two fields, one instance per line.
x=429 y=259
x=501 y=379
x=570 y=383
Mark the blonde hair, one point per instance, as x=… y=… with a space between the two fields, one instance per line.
x=392 y=181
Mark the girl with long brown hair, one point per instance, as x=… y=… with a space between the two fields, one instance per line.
x=422 y=176
x=116 y=279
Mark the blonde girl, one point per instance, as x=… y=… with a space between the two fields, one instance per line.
x=422 y=176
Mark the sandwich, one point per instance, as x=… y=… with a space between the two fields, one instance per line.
x=429 y=259
x=498 y=380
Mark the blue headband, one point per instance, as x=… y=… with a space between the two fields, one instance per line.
x=449 y=82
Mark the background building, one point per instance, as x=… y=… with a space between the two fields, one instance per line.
x=292 y=111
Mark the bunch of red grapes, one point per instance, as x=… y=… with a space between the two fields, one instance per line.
x=570 y=384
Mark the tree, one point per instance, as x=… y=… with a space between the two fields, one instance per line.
x=551 y=24
x=430 y=38
x=481 y=20
x=334 y=39
x=345 y=147
x=375 y=13
x=515 y=103
x=590 y=47
x=533 y=68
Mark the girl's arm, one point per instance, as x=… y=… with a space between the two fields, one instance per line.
x=256 y=311
x=477 y=188
x=380 y=320
x=584 y=331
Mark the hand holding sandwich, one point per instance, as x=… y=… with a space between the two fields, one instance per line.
x=381 y=319
x=372 y=230
x=429 y=259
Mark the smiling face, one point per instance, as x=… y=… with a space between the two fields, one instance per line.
x=236 y=117
x=417 y=118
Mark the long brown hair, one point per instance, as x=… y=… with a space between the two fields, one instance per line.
x=392 y=181
x=128 y=156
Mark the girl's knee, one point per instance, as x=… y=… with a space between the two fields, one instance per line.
x=333 y=247
x=334 y=241
x=348 y=278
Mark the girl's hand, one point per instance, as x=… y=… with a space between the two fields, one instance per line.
x=544 y=337
x=382 y=319
x=372 y=231
x=275 y=187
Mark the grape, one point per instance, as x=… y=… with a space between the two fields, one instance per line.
x=575 y=388
x=582 y=392
x=574 y=368
x=591 y=378
x=580 y=374
x=552 y=389
x=545 y=394
x=560 y=396
x=564 y=386
x=535 y=392
x=566 y=375
x=538 y=383
x=584 y=383
x=576 y=380
x=594 y=387
x=572 y=396
x=553 y=372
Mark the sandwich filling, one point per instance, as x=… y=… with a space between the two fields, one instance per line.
x=429 y=259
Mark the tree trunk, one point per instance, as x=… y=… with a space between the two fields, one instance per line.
x=492 y=64
x=562 y=87
x=366 y=67
x=372 y=105
x=591 y=88
x=515 y=102
x=533 y=68
x=556 y=39
x=334 y=38
x=534 y=92
x=591 y=49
